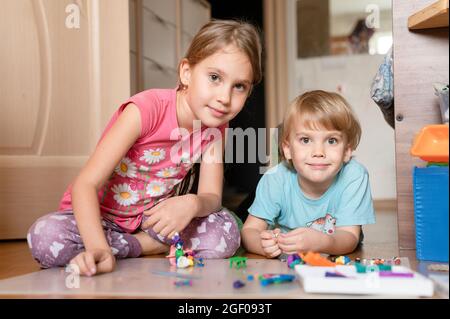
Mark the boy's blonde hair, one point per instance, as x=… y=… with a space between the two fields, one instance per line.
x=217 y=34
x=321 y=110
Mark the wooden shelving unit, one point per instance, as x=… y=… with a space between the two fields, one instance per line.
x=420 y=59
x=433 y=16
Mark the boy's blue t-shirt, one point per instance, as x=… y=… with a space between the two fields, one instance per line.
x=281 y=203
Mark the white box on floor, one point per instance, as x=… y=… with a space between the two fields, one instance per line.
x=314 y=280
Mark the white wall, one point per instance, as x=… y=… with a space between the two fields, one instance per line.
x=354 y=74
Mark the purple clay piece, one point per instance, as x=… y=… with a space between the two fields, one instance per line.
x=238 y=284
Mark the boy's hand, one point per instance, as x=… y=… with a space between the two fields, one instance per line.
x=269 y=243
x=171 y=215
x=302 y=240
x=95 y=261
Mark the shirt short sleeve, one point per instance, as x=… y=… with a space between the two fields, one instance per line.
x=356 y=206
x=149 y=106
x=268 y=199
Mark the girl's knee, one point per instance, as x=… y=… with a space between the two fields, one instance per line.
x=47 y=241
x=224 y=248
x=214 y=236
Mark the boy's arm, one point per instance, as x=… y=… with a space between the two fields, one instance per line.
x=344 y=240
x=251 y=234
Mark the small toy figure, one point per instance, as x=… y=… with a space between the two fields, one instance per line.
x=396 y=261
x=179 y=249
x=342 y=260
x=177 y=256
x=378 y=261
x=239 y=262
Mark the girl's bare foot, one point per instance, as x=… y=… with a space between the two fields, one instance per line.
x=149 y=245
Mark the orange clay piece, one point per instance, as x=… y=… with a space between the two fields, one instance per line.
x=315 y=259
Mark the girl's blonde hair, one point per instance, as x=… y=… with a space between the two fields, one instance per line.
x=217 y=34
x=322 y=110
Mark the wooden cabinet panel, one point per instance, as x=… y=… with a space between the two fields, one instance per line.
x=157 y=77
x=59 y=87
x=420 y=59
x=194 y=14
x=164 y=30
x=159 y=40
x=165 y=9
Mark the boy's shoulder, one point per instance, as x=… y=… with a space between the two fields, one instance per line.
x=278 y=173
x=353 y=170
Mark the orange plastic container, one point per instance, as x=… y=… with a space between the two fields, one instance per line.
x=431 y=143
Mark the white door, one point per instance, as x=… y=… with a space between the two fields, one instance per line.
x=65 y=68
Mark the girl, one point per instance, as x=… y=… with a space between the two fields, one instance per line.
x=123 y=203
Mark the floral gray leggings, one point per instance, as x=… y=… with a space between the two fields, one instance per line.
x=54 y=239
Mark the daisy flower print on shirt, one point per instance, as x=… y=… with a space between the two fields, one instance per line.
x=153 y=156
x=124 y=195
x=156 y=188
x=126 y=168
x=168 y=172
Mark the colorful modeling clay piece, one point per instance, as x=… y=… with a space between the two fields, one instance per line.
x=199 y=262
x=268 y=279
x=334 y=274
x=378 y=261
x=250 y=277
x=239 y=262
x=362 y=269
x=238 y=284
x=184 y=262
x=180 y=283
x=177 y=256
x=396 y=274
x=315 y=259
x=293 y=260
x=342 y=260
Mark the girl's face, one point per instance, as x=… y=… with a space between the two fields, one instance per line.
x=317 y=155
x=218 y=86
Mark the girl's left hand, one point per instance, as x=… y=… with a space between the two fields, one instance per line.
x=171 y=215
x=301 y=240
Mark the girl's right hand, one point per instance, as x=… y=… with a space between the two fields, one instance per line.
x=269 y=243
x=95 y=261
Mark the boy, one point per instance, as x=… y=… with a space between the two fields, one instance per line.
x=319 y=196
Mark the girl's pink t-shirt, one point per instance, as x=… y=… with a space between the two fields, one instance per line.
x=158 y=161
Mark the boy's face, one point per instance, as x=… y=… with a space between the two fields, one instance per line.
x=317 y=155
x=218 y=86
